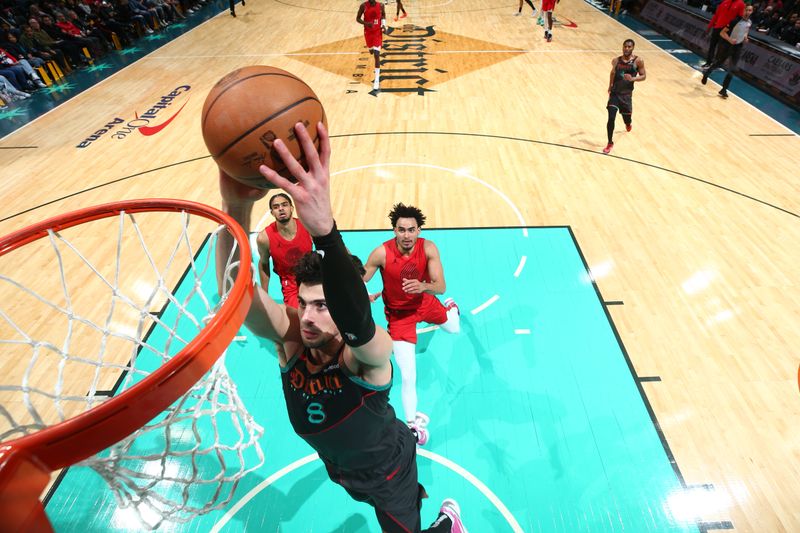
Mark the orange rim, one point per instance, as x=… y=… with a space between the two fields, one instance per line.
x=74 y=440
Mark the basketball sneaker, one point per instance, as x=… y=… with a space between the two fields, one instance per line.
x=404 y=15
x=453 y=511
x=723 y=93
x=549 y=37
x=704 y=80
x=376 y=85
x=421 y=420
x=608 y=148
x=628 y=127
x=420 y=433
x=518 y=13
x=449 y=304
x=533 y=15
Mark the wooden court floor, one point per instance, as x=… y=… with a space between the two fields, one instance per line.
x=691 y=227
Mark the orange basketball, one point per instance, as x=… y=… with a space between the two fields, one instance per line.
x=247 y=110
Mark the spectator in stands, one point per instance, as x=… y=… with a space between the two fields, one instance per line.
x=45 y=52
x=44 y=40
x=770 y=19
x=70 y=32
x=150 y=15
x=783 y=24
x=126 y=15
x=88 y=25
x=9 y=43
x=724 y=14
x=110 y=22
x=19 y=72
x=791 y=34
x=9 y=93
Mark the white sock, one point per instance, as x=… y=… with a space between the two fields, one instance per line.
x=453 y=324
x=405 y=354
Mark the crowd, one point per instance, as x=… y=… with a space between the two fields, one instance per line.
x=778 y=19
x=65 y=31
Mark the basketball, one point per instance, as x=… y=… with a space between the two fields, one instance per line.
x=247 y=110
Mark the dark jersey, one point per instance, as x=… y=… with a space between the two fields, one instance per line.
x=624 y=67
x=345 y=419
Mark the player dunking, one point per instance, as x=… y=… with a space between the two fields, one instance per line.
x=547 y=13
x=335 y=362
x=625 y=70
x=285 y=240
x=373 y=17
x=412 y=274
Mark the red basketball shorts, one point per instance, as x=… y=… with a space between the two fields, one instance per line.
x=403 y=322
x=373 y=37
x=548 y=5
x=289 y=289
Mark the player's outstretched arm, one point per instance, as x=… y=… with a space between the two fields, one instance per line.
x=343 y=286
x=265 y=317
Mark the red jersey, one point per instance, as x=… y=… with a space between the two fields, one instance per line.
x=286 y=253
x=399 y=267
x=725 y=13
x=372 y=15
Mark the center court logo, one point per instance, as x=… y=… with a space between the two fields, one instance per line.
x=148 y=123
x=414 y=59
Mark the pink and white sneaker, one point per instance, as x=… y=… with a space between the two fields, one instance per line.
x=422 y=420
x=453 y=511
x=420 y=433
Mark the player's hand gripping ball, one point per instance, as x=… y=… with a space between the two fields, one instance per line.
x=247 y=110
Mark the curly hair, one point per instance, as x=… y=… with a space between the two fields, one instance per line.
x=400 y=210
x=308 y=268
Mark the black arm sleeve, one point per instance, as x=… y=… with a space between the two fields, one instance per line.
x=345 y=292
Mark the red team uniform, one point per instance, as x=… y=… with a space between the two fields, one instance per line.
x=404 y=310
x=548 y=5
x=284 y=255
x=373 y=35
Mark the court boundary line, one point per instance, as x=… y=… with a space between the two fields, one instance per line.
x=673 y=462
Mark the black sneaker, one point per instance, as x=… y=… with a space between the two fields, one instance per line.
x=723 y=93
x=705 y=78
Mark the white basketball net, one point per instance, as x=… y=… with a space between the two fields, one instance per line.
x=66 y=345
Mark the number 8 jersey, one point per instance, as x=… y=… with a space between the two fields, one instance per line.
x=348 y=421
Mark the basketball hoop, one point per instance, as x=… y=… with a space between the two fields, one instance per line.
x=53 y=337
